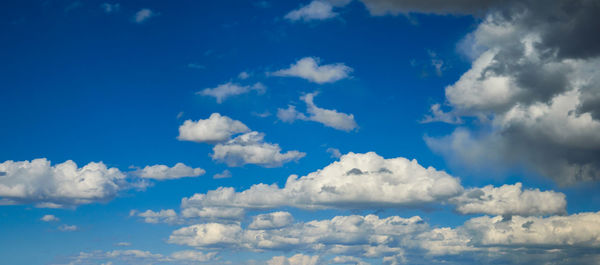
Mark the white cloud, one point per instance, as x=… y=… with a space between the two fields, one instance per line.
x=271 y=220
x=329 y=118
x=162 y=172
x=50 y=218
x=134 y=256
x=298 y=259
x=215 y=129
x=110 y=8
x=226 y=90
x=223 y=175
x=316 y=10
x=214 y=213
x=61 y=185
x=68 y=228
x=510 y=200
x=335 y=153
x=244 y=75
x=250 y=148
x=438 y=115
x=143 y=15
x=348 y=260
x=192 y=255
x=309 y=69
x=207 y=235
x=356 y=181
x=163 y=216
x=123 y=244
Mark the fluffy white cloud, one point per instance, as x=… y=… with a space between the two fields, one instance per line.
x=162 y=172
x=316 y=10
x=143 y=15
x=298 y=259
x=223 y=91
x=309 y=69
x=61 y=185
x=207 y=235
x=356 y=181
x=192 y=255
x=215 y=129
x=329 y=118
x=210 y=213
x=162 y=216
x=250 y=148
x=510 y=200
x=271 y=220
x=50 y=218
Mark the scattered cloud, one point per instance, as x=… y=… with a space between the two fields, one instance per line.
x=223 y=175
x=123 y=244
x=50 y=218
x=335 y=153
x=309 y=69
x=226 y=90
x=162 y=172
x=134 y=256
x=298 y=259
x=68 y=228
x=143 y=15
x=215 y=129
x=110 y=8
x=316 y=10
x=162 y=216
x=329 y=118
x=271 y=220
x=244 y=75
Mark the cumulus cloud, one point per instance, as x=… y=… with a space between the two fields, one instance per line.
x=329 y=118
x=271 y=220
x=162 y=216
x=61 y=185
x=207 y=235
x=246 y=148
x=250 y=148
x=229 y=89
x=50 y=218
x=215 y=129
x=533 y=92
x=309 y=69
x=162 y=172
x=143 y=15
x=356 y=181
x=316 y=10
x=510 y=200
x=223 y=175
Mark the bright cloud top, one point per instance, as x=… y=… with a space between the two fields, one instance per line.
x=329 y=118
x=309 y=69
x=215 y=129
x=61 y=185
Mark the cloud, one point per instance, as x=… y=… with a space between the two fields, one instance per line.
x=223 y=175
x=298 y=259
x=61 y=185
x=152 y=217
x=134 y=256
x=329 y=118
x=223 y=91
x=510 y=200
x=271 y=220
x=247 y=148
x=123 y=244
x=316 y=10
x=244 y=75
x=110 y=8
x=162 y=172
x=207 y=235
x=250 y=148
x=335 y=153
x=356 y=181
x=50 y=218
x=442 y=7
x=309 y=69
x=533 y=92
x=438 y=115
x=68 y=228
x=143 y=15
x=215 y=129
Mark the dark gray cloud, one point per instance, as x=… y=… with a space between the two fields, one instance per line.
x=394 y=7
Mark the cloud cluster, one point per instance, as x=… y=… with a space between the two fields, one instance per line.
x=298 y=259
x=308 y=68
x=61 y=185
x=248 y=147
x=135 y=256
x=533 y=85
x=329 y=118
x=162 y=172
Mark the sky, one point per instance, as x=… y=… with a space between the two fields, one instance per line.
x=300 y=132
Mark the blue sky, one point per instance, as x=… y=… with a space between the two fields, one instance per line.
x=323 y=132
